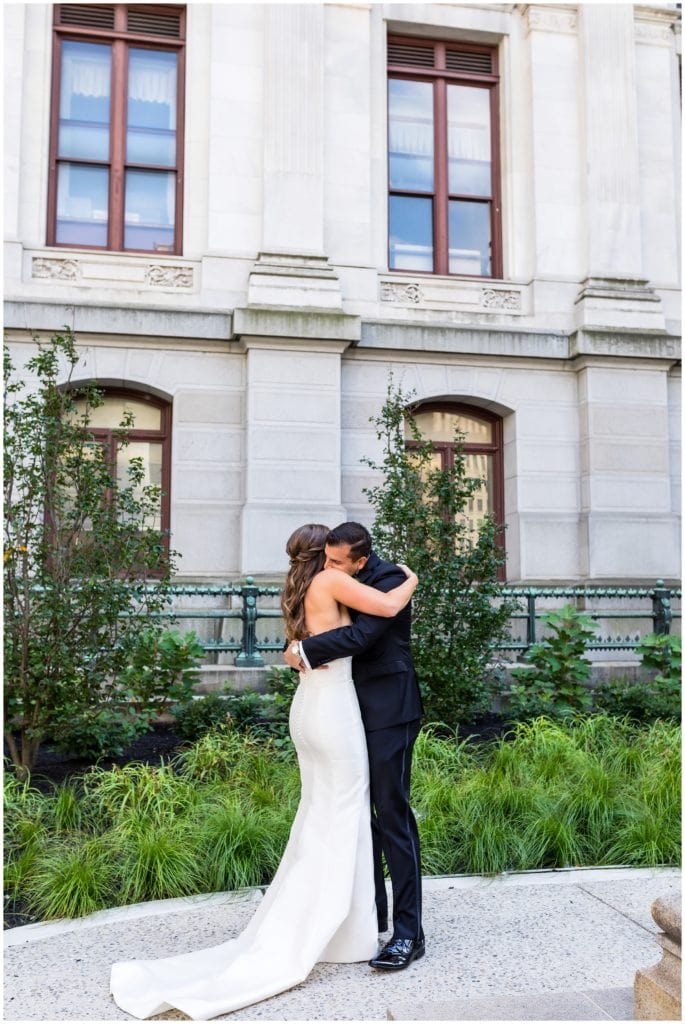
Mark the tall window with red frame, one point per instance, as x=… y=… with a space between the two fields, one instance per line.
x=443 y=165
x=116 y=145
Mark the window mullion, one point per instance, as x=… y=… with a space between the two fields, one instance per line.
x=117 y=146
x=440 y=208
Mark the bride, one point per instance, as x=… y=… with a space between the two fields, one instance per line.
x=320 y=905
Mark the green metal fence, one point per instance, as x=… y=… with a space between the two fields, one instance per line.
x=628 y=612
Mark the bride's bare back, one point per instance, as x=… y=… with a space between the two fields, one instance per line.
x=332 y=592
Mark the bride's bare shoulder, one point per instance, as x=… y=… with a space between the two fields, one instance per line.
x=323 y=580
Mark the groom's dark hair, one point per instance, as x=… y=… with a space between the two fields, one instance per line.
x=354 y=534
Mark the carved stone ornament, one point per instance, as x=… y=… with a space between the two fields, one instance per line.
x=54 y=269
x=653 y=32
x=549 y=19
x=493 y=298
x=391 y=292
x=170 y=277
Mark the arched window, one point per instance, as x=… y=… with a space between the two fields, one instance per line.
x=482 y=430
x=149 y=439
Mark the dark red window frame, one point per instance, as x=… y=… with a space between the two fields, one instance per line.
x=106 y=436
x=495 y=448
x=120 y=39
x=439 y=76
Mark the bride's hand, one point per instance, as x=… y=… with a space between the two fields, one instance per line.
x=409 y=573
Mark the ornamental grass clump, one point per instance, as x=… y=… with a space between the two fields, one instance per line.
x=72 y=879
x=589 y=791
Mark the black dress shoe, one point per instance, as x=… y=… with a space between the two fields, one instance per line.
x=398 y=954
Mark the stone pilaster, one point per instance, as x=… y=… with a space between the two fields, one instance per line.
x=625 y=484
x=615 y=284
x=292 y=433
x=293 y=128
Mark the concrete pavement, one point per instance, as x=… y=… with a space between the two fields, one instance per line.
x=542 y=945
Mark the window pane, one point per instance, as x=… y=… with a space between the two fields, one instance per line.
x=84 y=101
x=150 y=211
x=151 y=134
x=110 y=414
x=151 y=455
x=411 y=233
x=441 y=426
x=410 y=142
x=468 y=140
x=82 y=204
x=469 y=238
x=482 y=501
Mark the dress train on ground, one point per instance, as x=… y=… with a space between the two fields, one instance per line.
x=320 y=905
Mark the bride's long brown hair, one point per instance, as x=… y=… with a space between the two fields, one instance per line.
x=307 y=556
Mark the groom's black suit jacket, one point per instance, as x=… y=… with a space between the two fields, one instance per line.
x=382 y=668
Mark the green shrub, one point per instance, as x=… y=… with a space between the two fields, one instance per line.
x=662 y=652
x=161 y=668
x=647 y=699
x=263 y=715
x=198 y=716
x=643 y=700
x=554 y=682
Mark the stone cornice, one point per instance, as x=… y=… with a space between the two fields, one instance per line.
x=31 y=315
x=297 y=324
x=619 y=343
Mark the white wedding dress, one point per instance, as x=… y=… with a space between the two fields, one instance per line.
x=320 y=905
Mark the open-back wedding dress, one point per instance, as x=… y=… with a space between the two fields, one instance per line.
x=320 y=905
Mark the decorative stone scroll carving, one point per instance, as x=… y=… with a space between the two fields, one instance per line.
x=401 y=292
x=54 y=269
x=170 y=277
x=494 y=298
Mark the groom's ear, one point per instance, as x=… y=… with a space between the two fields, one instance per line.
x=361 y=563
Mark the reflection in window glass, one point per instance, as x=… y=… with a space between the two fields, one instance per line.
x=441 y=426
x=469 y=238
x=111 y=413
x=480 y=467
x=150 y=453
x=411 y=135
x=149 y=211
x=151 y=122
x=411 y=233
x=84 y=104
x=82 y=195
x=468 y=141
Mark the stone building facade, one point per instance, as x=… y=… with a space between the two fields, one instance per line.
x=536 y=296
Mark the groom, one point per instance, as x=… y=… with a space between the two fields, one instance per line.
x=390 y=706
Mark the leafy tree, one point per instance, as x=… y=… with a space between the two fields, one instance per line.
x=459 y=614
x=83 y=559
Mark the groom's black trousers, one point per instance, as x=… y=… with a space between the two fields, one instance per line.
x=393 y=826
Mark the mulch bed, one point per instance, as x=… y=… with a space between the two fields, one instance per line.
x=54 y=767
